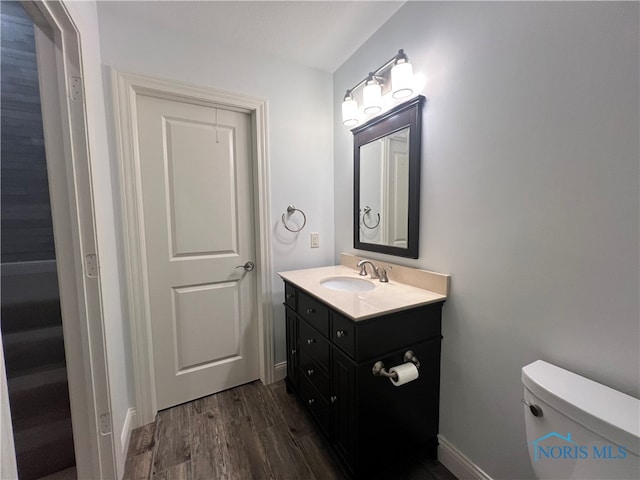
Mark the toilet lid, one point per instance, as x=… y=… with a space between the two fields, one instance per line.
x=612 y=414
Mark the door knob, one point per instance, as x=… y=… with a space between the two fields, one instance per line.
x=247 y=266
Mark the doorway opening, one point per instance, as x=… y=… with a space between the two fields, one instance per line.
x=32 y=332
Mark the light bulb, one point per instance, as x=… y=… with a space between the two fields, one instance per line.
x=372 y=95
x=349 y=110
x=402 y=79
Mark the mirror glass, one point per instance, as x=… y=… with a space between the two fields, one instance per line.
x=384 y=190
x=387 y=181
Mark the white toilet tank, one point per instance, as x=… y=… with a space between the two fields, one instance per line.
x=585 y=431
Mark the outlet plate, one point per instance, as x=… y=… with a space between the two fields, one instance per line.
x=315 y=240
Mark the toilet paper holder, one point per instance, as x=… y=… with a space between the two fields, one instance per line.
x=379 y=371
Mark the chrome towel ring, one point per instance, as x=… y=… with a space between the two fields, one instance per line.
x=366 y=212
x=290 y=211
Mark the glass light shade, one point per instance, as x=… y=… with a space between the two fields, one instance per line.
x=402 y=79
x=372 y=94
x=349 y=112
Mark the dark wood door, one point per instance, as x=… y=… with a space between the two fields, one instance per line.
x=344 y=406
x=293 y=352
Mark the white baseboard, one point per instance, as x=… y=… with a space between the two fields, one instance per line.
x=458 y=463
x=280 y=371
x=127 y=428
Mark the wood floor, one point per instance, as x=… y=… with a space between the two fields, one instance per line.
x=249 y=432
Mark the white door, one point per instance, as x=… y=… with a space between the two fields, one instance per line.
x=197 y=200
x=397 y=190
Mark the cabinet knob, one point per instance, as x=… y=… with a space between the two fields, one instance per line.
x=340 y=333
x=310 y=341
x=294 y=351
x=311 y=310
x=311 y=401
x=333 y=399
x=310 y=372
x=290 y=296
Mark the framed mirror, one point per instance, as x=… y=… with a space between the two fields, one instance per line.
x=387 y=157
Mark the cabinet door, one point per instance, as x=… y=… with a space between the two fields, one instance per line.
x=290 y=296
x=293 y=353
x=343 y=401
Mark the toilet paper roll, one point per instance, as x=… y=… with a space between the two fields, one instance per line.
x=407 y=372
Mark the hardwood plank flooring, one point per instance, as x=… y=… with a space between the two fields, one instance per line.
x=249 y=432
x=174 y=438
x=140 y=453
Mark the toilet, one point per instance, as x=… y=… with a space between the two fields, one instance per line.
x=577 y=428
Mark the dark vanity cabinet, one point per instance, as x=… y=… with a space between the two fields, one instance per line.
x=369 y=423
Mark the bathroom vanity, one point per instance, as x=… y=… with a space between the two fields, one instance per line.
x=334 y=338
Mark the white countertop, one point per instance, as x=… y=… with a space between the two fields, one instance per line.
x=384 y=298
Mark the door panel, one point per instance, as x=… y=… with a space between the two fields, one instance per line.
x=202 y=187
x=203 y=340
x=197 y=198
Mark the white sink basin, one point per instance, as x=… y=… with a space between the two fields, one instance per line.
x=347 y=284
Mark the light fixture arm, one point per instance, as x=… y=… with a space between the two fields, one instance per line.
x=376 y=73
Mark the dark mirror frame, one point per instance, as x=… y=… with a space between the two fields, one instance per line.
x=407 y=114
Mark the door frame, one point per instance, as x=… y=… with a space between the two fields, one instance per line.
x=59 y=57
x=126 y=88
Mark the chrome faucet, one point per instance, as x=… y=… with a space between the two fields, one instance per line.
x=363 y=269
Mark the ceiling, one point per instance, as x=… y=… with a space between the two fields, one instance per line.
x=317 y=34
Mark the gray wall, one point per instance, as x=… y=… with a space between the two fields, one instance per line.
x=530 y=199
x=27 y=231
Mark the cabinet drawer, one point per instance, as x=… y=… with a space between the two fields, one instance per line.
x=314 y=312
x=315 y=375
x=290 y=295
x=316 y=404
x=343 y=334
x=313 y=345
x=397 y=330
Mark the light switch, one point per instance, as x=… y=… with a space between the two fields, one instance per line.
x=315 y=240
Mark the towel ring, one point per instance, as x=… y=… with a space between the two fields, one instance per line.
x=367 y=210
x=290 y=211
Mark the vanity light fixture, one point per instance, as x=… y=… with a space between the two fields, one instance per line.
x=395 y=76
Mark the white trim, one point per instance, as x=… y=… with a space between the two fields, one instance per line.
x=127 y=428
x=280 y=371
x=69 y=170
x=126 y=87
x=458 y=463
x=8 y=467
